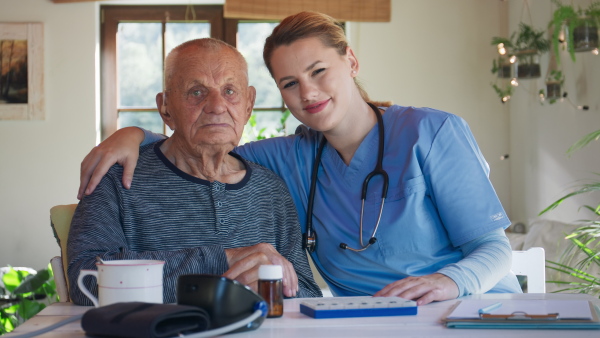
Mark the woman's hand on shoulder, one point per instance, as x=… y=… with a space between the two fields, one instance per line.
x=122 y=147
x=423 y=289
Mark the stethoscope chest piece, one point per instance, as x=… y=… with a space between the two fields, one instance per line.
x=309 y=242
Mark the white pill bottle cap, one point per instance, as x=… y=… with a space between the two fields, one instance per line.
x=270 y=272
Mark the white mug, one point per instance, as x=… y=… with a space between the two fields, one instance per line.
x=125 y=281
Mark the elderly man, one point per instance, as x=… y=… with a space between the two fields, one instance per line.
x=194 y=204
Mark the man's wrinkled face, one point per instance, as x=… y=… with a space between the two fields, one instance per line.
x=207 y=101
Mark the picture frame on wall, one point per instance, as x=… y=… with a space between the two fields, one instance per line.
x=21 y=71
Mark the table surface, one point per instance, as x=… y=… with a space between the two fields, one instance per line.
x=427 y=323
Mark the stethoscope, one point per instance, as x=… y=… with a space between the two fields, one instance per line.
x=310 y=237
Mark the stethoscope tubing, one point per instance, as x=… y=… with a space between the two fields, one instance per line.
x=310 y=237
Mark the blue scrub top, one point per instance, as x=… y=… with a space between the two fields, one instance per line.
x=439 y=197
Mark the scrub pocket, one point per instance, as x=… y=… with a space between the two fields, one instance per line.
x=410 y=224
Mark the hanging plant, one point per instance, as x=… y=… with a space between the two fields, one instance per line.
x=555 y=79
x=554 y=85
x=523 y=51
x=579 y=27
x=503 y=67
x=519 y=57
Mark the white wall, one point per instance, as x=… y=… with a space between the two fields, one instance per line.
x=541 y=172
x=39 y=160
x=434 y=53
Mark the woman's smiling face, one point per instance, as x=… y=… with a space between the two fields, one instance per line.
x=315 y=81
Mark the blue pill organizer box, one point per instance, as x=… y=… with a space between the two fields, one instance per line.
x=341 y=307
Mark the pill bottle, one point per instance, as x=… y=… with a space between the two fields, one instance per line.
x=270 y=287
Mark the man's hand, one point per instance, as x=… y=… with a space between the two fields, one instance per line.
x=424 y=289
x=122 y=147
x=244 y=263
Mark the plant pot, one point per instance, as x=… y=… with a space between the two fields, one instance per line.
x=505 y=71
x=553 y=90
x=504 y=68
x=528 y=64
x=528 y=71
x=585 y=36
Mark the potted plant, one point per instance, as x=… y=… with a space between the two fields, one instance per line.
x=523 y=50
x=503 y=67
x=579 y=27
x=23 y=293
x=554 y=83
x=581 y=262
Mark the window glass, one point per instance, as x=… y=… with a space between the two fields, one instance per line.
x=268 y=118
x=139 y=64
x=178 y=33
x=150 y=120
x=251 y=40
x=140 y=68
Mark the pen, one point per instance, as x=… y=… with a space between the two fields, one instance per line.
x=490 y=308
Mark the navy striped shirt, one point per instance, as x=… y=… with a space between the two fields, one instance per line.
x=185 y=221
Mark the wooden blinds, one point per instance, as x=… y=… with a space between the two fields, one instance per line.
x=343 y=10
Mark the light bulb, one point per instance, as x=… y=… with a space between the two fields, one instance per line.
x=505 y=98
x=595 y=51
x=514 y=82
x=501 y=49
x=513 y=59
x=561 y=36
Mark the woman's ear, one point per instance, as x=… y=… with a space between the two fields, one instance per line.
x=353 y=61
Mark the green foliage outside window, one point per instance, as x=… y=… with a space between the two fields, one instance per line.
x=252 y=131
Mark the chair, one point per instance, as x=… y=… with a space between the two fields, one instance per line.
x=532 y=264
x=60 y=221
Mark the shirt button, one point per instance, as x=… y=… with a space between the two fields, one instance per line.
x=221 y=221
x=219 y=204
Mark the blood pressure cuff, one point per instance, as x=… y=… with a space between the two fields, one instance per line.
x=142 y=320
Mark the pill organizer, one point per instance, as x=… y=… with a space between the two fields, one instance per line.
x=340 y=307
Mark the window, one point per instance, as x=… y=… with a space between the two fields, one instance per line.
x=269 y=117
x=136 y=39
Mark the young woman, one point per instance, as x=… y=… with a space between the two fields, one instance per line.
x=401 y=203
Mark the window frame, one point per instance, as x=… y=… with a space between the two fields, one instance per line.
x=112 y=15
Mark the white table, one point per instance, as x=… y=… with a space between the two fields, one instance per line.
x=294 y=324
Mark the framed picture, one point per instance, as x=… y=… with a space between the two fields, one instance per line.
x=21 y=71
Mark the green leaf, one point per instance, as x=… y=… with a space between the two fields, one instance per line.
x=28 y=308
x=33 y=282
x=8 y=322
x=499 y=40
x=284 y=117
x=11 y=310
x=252 y=120
x=593 y=136
x=586 y=188
x=13 y=278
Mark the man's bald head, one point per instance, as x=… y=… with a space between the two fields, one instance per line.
x=199 y=46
